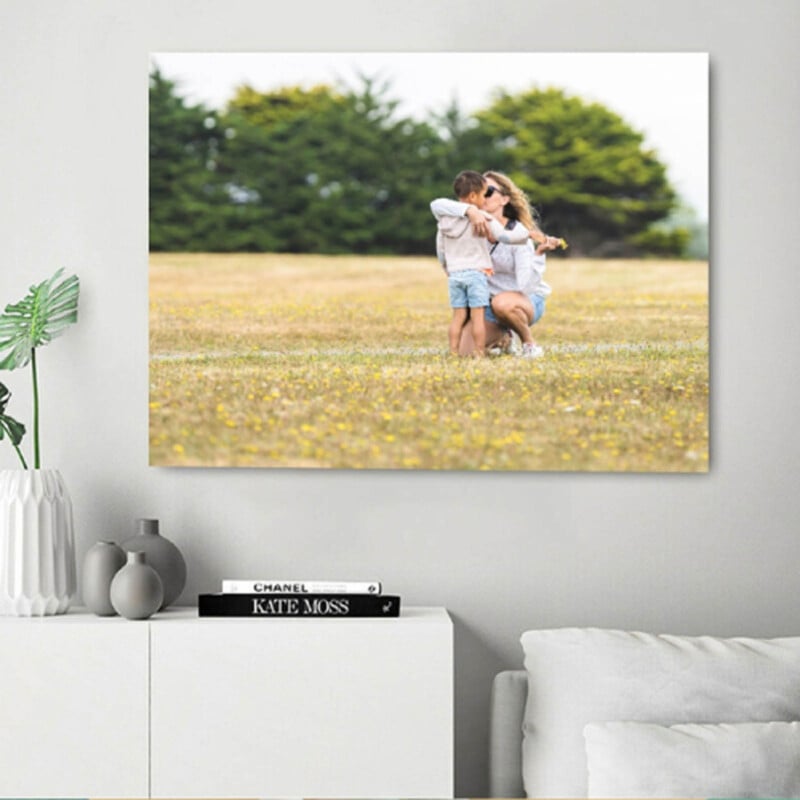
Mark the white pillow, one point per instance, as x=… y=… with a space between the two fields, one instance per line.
x=577 y=676
x=639 y=759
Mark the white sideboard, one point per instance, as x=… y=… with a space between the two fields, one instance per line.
x=74 y=713
x=185 y=707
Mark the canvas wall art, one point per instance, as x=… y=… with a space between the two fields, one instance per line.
x=433 y=261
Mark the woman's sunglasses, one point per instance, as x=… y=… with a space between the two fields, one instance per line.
x=491 y=190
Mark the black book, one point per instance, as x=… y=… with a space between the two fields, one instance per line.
x=298 y=605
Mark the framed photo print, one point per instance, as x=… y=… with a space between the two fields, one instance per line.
x=436 y=261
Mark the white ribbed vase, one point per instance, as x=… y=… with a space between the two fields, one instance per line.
x=37 y=544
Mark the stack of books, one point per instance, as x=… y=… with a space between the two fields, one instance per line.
x=292 y=598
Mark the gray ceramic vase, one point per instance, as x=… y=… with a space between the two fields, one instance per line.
x=136 y=591
x=101 y=564
x=162 y=555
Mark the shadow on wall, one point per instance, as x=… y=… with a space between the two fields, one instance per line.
x=476 y=664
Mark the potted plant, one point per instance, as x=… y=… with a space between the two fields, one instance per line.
x=37 y=543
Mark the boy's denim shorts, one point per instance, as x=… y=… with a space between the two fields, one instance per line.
x=468 y=289
x=537 y=301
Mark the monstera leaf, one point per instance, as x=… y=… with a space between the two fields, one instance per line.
x=5 y=396
x=15 y=430
x=43 y=314
x=10 y=426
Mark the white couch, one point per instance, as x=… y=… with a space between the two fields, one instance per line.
x=605 y=713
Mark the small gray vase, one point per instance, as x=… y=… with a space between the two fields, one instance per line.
x=162 y=555
x=101 y=564
x=136 y=591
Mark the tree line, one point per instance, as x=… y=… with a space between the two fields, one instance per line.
x=338 y=170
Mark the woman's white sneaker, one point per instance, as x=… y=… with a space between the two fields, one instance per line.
x=531 y=350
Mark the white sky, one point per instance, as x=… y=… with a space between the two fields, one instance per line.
x=662 y=95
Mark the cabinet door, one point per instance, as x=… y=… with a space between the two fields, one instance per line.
x=73 y=721
x=302 y=708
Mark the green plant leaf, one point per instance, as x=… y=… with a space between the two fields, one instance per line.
x=43 y=314
x=15 y=430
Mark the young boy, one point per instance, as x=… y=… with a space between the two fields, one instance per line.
x=466 y=260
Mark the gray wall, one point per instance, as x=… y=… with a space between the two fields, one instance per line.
x=503 y=552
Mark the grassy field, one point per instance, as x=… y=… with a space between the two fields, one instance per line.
x=334 y=361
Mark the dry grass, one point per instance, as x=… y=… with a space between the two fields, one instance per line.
x=313 y=361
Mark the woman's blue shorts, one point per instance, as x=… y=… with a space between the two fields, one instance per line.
x=537 y=301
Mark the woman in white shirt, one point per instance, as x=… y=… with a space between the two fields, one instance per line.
x=517 y=289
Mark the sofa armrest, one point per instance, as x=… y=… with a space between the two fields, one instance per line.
x=509 y=694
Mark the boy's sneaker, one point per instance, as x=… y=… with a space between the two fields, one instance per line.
x=531 y=350
x=499 y=348
x=502 y=346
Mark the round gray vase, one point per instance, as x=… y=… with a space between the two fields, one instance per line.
x=101 y=564
x=162 y=555
x=136 y=591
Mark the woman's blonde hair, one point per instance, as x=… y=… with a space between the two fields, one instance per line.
x=518 y=206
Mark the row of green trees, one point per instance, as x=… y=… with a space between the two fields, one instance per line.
x=326 y=170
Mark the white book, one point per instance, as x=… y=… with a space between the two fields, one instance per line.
x=274 y=586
